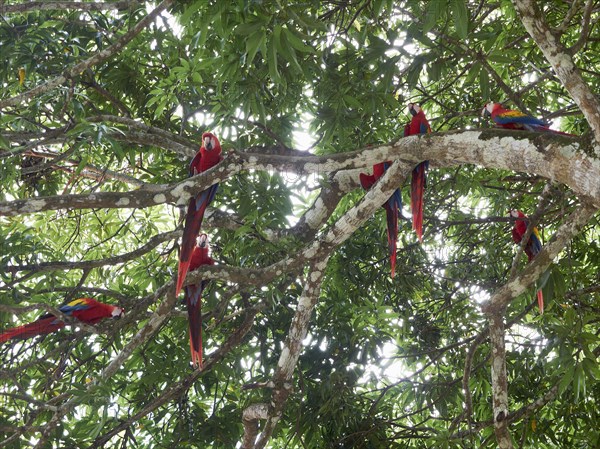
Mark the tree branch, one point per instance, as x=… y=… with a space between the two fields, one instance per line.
x=499 y=379
x=554 y=157
x=289 y=355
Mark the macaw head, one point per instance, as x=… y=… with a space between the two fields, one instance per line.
x=516 y=214
x=117 y=312
x=210 y=142
x=488 y=109
x=414 y=108
x=202 y=241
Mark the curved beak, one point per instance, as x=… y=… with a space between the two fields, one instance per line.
x=411 y=109
x=208 y=143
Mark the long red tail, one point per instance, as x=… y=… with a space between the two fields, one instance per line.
x=40 y=327
x=540 y=299
x=193 y=223
x=391 y=213
x=193 y=295
x=417 y=189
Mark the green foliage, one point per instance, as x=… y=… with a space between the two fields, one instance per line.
x=383 y=362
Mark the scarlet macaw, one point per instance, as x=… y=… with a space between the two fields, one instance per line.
x=511 y=119
x=393 y=208
x=208 y=156
x=533 y=246
x=87 y=310
x=193 y=298
x=418 y=125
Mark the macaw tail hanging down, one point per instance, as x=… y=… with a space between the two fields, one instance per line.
x=193 y=299
x=208 y=156
x=87 y=310
x=417 y=125
x=533 y=246
x=511 y=119
x=393 y=208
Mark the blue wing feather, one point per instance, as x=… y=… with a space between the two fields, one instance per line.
x=395 y=201
x=206 y=196
x=536 y=245
x=72 y=306
x=521 y=119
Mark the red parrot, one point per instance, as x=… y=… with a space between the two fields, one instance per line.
x=87 y=310
x=511 y=119
x=208 y=156
x=418 y=125
x=393 y=208
x=193 y=298
x=533 y=246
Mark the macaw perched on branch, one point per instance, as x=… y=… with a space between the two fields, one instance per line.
x=193 y=299
x=533 y=246
x=208 y=156
x=87 y=310
x=511 y=119
x=393 y=208
x=417 y=125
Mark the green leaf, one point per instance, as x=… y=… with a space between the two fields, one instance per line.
x=246 y=29
x=460 y=15
x=435 y=70
x=567 y=379
x=590 y=367
x=253 y=43
x=272 y=61
x=435 y=10
x=4 y=143
x=499 y=57
x=484 y=83
x=579 y=382
x=414 y=72
x=296 y=42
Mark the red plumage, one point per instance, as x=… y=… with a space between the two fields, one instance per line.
x=87 y=310
x=532 y=247
x=193 y=299
x=513 y=119
x=392 y=207
x=207 y=157
x=417 y=125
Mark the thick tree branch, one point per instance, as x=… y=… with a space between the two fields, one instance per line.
x=553 y=157
x=282 y=386
x=337 y=234
x=499 y=379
